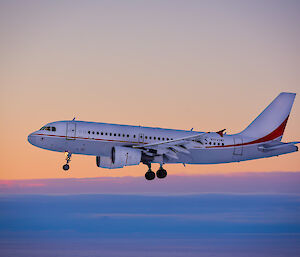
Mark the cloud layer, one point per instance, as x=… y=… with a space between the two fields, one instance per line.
x=275 y=182
x=246 y=214
x=136 y=225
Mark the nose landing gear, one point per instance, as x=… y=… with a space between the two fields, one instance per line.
x=68 y=159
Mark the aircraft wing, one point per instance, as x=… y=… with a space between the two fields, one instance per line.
x=171 y=142
x=171 y=148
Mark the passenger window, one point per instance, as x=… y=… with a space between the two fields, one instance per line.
x=101 y=133
x=214 y=143
x=163 y=139
x=127 y=135
x=110 y=134
x=119 y=135
x=222 y=143
x=97 y=133
x=123 y=135
x=150 y=137
x=93 y=132
x=53 y=128
x=89 y=132
x=146 y=137
x=167 y=139
x=133 y=136
x=115 y=134
x=210 y=143
x=106 y=134
x=158 y=138
x=154 y=138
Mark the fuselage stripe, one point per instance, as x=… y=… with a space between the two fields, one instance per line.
x=87 y=138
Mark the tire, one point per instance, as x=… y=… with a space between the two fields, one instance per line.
x=150 y=175
x=161 y=173
x=66 y=167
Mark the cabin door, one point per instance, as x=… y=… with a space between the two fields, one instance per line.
x=71 y=131
x=238 y=145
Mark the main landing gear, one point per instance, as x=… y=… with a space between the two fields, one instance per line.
x=160 y=173
x=68 y=159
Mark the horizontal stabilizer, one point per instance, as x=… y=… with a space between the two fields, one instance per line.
x=275 y=145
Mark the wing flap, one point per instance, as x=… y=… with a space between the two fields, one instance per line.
x=171 y=154
x=180 y=149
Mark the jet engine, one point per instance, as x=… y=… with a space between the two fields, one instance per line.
x=120 y=157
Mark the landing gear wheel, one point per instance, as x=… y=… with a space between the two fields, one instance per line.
x=68 y=159
x=161 y=173
x=66 y=167
x=150 y=175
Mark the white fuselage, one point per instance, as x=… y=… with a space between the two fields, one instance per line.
x=98 y=139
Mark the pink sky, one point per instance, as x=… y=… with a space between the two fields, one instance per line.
x=250 y=182
x=203 y=65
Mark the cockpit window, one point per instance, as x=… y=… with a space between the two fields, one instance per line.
x=48 y=128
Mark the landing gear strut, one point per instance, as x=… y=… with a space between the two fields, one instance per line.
x=68 y=159
x=161 y=172
x=149 y=175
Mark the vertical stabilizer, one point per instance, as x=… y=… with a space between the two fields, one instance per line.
x=270 y=124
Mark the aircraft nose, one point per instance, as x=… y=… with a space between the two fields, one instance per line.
x=31 y=139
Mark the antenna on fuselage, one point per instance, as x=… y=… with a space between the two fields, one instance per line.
x=74 y=118
x=192 y=129
x=221 y=132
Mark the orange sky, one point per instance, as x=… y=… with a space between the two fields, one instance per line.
x=170 y=64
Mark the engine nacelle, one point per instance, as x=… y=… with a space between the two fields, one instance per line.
x=120 y=157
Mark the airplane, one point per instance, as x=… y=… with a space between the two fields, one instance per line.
x=116 y=146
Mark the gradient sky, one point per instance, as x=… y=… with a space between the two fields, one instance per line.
x=206 y=65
